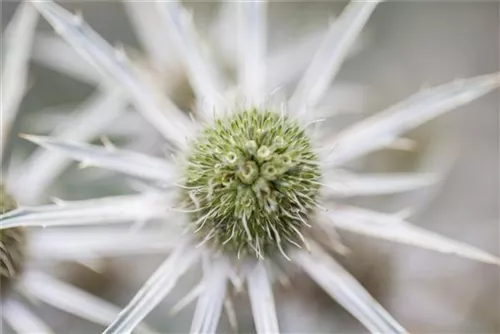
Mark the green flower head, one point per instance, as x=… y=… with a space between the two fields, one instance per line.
x=251 y=182
x=12 y=245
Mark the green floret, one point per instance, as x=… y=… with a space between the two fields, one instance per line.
x=12 y=246
x=251 y=183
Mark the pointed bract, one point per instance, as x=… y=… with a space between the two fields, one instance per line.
x=119 y=209
x=155 y=108
x=71 y=299
x=288 y=62
x=21 y=319
x=383 y=128
x=201 y=72
x=393 y=228
x=16 y=48
x=82 y=243
x=192 y=295
x=52 y=51
x=345 y=184
x=209 y=306
x=262 y=300
x=130 y=163
x=252 y=40
x=147 y=21
x=87 y=123
x=344 y=288
x=330 y=56
x=154 y=290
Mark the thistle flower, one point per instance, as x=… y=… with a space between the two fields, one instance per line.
x=248 y=180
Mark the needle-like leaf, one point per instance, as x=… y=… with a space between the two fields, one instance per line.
x=130 y=163
x=344 y=288
x=393 y=228
x=383 y=128
x=119 y=209
x=330 y=56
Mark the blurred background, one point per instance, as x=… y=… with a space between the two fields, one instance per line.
x=406 y=45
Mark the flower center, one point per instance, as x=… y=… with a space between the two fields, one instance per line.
x=251 y=183
x=12 y=246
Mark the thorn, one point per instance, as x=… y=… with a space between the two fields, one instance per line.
x=120 y=52
x=84 y=164
x=342 y=249
x=107 y=143
x=403 y=144
x=28 y=137
x=405 y=213
x=78 y=17
x=57 y=201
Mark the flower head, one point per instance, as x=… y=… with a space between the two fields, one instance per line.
x=250 y=180
x=12 y=246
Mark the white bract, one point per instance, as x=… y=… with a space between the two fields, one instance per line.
x=24 y=252
x=192 y=190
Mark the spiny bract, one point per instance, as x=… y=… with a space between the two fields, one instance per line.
x=230 y=183
x=12 y=245
x=251 y=182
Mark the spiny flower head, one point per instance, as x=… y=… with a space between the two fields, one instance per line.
x=12 y=246
x=252 y=180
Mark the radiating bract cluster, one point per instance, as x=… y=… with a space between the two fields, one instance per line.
x=26 y=252
x=250 y=180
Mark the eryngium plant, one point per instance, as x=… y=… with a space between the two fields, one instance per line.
x=248 y=180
